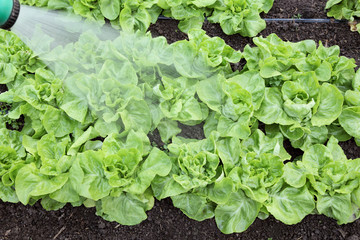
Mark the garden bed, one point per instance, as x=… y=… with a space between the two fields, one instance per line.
x=164 y=220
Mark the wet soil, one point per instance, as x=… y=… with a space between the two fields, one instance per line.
x=166 y=222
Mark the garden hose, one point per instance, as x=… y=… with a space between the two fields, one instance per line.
x=9 y=12
x=291 y=20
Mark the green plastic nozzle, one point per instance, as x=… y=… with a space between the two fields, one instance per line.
x=9 y=12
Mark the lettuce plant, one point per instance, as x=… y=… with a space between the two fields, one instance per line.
x=233 y=102
x=332 y=178
x=345 y=9
x=241 y=17
x=304 y=87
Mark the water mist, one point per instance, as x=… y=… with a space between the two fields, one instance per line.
x=95 y=63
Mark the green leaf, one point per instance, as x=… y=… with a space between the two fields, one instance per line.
x=125 y=209
x=191 y=23
x=329 y=105
x=338 y=207
x=237 y=214
x=110 y=8
x=269 y=68
x=65 y=194
x=8 y=194
x=75 y=107
x=51 y=151
x=291 y=205
x=331 y=3
x=136 y=116
x=259 y=143
x=254 y=84
x=81 y=138
x=294 y=174
x=210 y=92
x=157 y=163
x=58 y=4
x=238 y=129
x=229 y=150
x=123 y=74
x=134 y=19
x=352 y=98
x=104 y=129
x=350 y=121
x=314 y=136
x=253 y=24
x=168 y=129
x=355 y=196
x=30 y=183
x=13 y=140
x=356 y=81
x=316 y=157
x=50 y=204
x=203 y=3
x=220 y=191
x=271 y=108
x=336 y=151
x=7 y=73
x=292 y=132
x=323 y=72
x=338 y=131
x=136 y=140
x=194 y=206
x=87 y=175
x=188 y=62
x=164 y=187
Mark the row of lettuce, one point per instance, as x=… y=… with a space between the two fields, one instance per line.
x=234 y=16
x=88 y=107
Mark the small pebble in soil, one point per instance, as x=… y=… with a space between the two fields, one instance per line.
x=101 y=225
x=353 y=237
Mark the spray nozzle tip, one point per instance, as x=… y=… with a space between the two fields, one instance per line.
x=9 y=12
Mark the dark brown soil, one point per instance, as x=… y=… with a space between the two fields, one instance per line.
x=165 y=221
x=3 y=88
x=298 y=8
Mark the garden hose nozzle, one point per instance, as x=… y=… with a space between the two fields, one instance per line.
x=9 y=12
